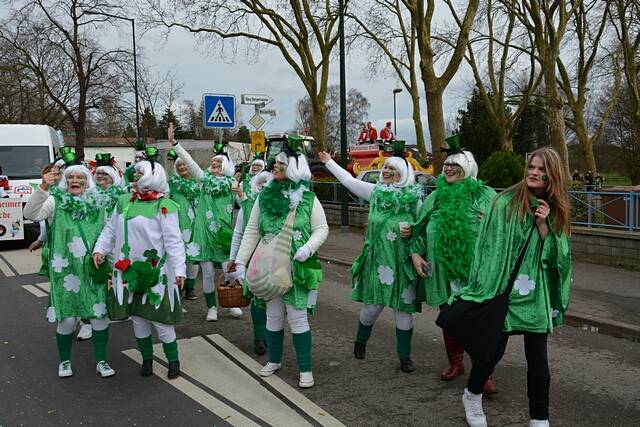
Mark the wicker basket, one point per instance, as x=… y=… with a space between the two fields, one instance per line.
x=230 y=294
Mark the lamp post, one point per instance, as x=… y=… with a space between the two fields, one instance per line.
x=395 y=92
x=344 y=205
x=135 y=60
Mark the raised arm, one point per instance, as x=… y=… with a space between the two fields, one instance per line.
x=40 y=206
x=357 y=187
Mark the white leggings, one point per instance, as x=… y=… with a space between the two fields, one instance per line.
x=276 y=312
x=370 y=312
x=67 y=325
x=208 y=277
x=142 y=329
x=192 y=270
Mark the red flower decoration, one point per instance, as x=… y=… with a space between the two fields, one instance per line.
x=123 y=264
x=154 y=262
x=164 y=212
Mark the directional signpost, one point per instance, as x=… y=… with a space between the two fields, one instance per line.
x=259 y=102
x=219 y=111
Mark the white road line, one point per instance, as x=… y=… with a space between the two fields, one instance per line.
x=45 y=286
x=35 y=291
x=5 y=269
x=313 y=410
x=194 y=392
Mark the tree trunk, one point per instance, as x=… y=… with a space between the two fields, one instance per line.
x=435 y=120
x=554 y=111
x=318 y=127
x=586 y=145
x=417 y=124
x=504 y=136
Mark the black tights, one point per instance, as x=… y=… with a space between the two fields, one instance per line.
x=538 y=377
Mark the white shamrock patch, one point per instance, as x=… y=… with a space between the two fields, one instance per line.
x=72 y=283
x=191 y=214
x=554 y=313
x=100 y=310
x=59 y=262
x=229 y=208
x=392 y=236
x=454 y=285
x=409 y=294
x=213 y=226
x=193 y=249
x=297 y=235
x=51 y=315
x=186 y=235
x=385 y=275
x=76 y=247
x=209 y=214
x=524 y=285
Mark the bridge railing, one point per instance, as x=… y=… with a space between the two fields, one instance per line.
x=602 y=209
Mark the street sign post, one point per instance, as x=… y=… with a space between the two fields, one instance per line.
x=258 y=142
x=268 y=112
x=248 y=99
x=219 y=111
x=257 y=121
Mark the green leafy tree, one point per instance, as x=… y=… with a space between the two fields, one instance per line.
x=532 y=130
x=478 y=133
x=149 y=124
x=502 y=169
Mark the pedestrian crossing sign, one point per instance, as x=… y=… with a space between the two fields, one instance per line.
x=219 y=111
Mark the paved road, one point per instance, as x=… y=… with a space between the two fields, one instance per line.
x=594 y=376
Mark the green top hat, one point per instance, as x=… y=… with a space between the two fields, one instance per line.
x=172 y=155
x=294 y=145
x=258 y=155
x=454 y=145
x=399 y=148
x=151 y=153
x=140 y=145
x=104 y=159
x=69 y=157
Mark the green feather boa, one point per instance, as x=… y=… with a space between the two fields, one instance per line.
x=216 y=185
x=79 y=207
x=275 y=198
x=189 y=188
x=387 y=197
x=455 y=242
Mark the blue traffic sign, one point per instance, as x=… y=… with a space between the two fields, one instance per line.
x=219 y=111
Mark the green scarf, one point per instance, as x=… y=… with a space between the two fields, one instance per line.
x=397 y=199
x=275 y=198
x=187 y=187
x=455 y=242
x=216 y=186
x=109 y=198
x=79 y=207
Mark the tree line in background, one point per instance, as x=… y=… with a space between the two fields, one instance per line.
x=544 y=72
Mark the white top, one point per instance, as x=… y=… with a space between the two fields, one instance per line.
x=237 y=235
x=251 y=237
x=40 y=206
x=359 y=188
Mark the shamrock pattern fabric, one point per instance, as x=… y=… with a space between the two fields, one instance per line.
x=185 y=192
x=75 y=227
x=381 y=273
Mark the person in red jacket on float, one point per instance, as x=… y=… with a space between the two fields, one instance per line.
x=386 y=134
x=373 y=133
x=362 y=138
x=4 y=184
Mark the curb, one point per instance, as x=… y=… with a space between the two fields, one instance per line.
x=583 y=321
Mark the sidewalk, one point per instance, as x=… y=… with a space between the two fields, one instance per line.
x=603 y=299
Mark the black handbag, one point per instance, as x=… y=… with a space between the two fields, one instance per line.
x=477 y=326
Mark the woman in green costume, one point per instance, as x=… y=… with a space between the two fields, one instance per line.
x=288 y=190
x=143 y=242
x=213 y=225
x=381 y=276
x=108 y=181
x=185 y=191
x=75 y=219
x=247 y=197
x=446 y=235
x=540 y=295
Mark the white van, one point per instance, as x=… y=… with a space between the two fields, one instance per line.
x=24 y=151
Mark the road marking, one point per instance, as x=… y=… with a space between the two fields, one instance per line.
x=35 y=291
x=220 y=373
x=45 y=286
x=5 y=267
x=21 y=261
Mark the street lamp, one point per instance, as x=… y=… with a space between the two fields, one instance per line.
x=344 y=202
x=395 y=92
x=135 y=61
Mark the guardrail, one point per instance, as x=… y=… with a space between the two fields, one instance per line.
x=598 y=209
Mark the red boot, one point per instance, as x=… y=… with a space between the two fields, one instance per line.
x=455 y=354
x=489 y=386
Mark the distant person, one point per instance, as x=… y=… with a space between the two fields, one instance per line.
x=599 y=180
x=386 y=134
x=4 y=184
x=588 y=181
x=372 y=133
x=362 y=138
x=576 y=176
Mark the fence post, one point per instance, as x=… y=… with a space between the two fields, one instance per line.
x=589 y=209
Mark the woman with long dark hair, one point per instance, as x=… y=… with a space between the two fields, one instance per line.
x=540 y=294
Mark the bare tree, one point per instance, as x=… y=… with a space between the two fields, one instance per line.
x=52 y=40
x=357 y=111
x=548 y=22
x=434 y=85
x=387 y=28
x=577 y=79
x=303 y=31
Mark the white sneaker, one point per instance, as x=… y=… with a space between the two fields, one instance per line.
x=235 y=312
x=306 y=380
x=85 y=332
x=212 y=314
x=473 y=409
x=64 y=369
x=104 y=369
x=539 y=423
x=270 y=369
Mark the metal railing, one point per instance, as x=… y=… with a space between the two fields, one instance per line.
x=598 y=209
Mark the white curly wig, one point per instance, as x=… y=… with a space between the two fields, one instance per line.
x=404 y=168
x=90 y=185
x=297 y=167
x=153 y=178
x=259 y=162
x=466 y=161
x=228 y=168
x=112 y=172
x=261 y=180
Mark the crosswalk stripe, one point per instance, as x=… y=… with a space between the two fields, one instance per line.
x=45 y=286
x=6 y=270
x=35 y=291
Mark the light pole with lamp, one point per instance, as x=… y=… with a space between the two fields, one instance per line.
x=135 y=61
x=395 y=92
